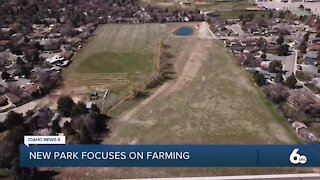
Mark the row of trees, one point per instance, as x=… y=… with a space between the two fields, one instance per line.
x=85 y=123
x=16 y=128
x=260 y=80
x=164 y=70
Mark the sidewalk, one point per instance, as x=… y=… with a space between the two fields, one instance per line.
x=309 y=176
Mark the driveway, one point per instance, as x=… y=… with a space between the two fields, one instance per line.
x=287 y=61
x=237 y=29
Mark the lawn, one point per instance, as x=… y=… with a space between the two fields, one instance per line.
x=220 y=105
x=135 y=64
x=126 y=49
x=237 y=13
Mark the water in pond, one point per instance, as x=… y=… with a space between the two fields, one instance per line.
x=184 y=31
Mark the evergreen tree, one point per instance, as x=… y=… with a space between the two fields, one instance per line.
x=259 y=79
x=65 y=105
x=13 y=119
x=78 y=109
x=291 y=81
x=85 y=136
x=278 y=78
x=55 y=127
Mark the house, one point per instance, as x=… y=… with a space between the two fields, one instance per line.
x=4 y=44
x=50 y=44
x=273 y=32
x=267 y=75
x=236 y=49
x=75 y=42
x=54 y=35
x=34 y=90
x=8 y=56
x=13 y=99
x=232 y=21
x=310 y=61
x=44 y=132
x=315 y=40
x=309 y=136
x=311 y=55
x=273 y=47
x=40 y=119
x=55 y=59
x=38 y=35
x=2 y=89
x=3 y=101
x=314 y=47
x=298 y=125
x=67 y=54
x=265 y=64
x=37 y=26
x=251 y=49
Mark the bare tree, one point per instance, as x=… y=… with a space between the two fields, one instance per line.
x=276 y=92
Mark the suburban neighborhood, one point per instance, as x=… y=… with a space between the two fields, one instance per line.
x=281 y=51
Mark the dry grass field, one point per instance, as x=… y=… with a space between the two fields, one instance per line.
x=214 y=102
x=211 y=101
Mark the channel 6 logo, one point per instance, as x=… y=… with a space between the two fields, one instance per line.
x=296 y=158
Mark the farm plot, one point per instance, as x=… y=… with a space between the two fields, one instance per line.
x=171 y=4
x=117 y=55
x=111 y=79
x=222 y=6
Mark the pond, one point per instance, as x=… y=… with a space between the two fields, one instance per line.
x=184 y=31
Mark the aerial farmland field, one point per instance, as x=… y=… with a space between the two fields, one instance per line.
x=117 y=55
x=211 y=101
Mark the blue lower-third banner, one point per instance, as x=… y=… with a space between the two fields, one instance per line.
x=170 y=156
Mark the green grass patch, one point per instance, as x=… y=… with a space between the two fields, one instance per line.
x=117 y=55
x=135 y=64
x=235 y=14
x=224 y=6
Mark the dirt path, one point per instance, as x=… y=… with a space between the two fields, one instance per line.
x=188 y=62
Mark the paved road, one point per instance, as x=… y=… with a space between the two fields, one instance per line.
x=237 y=29
x=289 y=64
x=287 y=61
x=309 y=176
x=21 y=109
